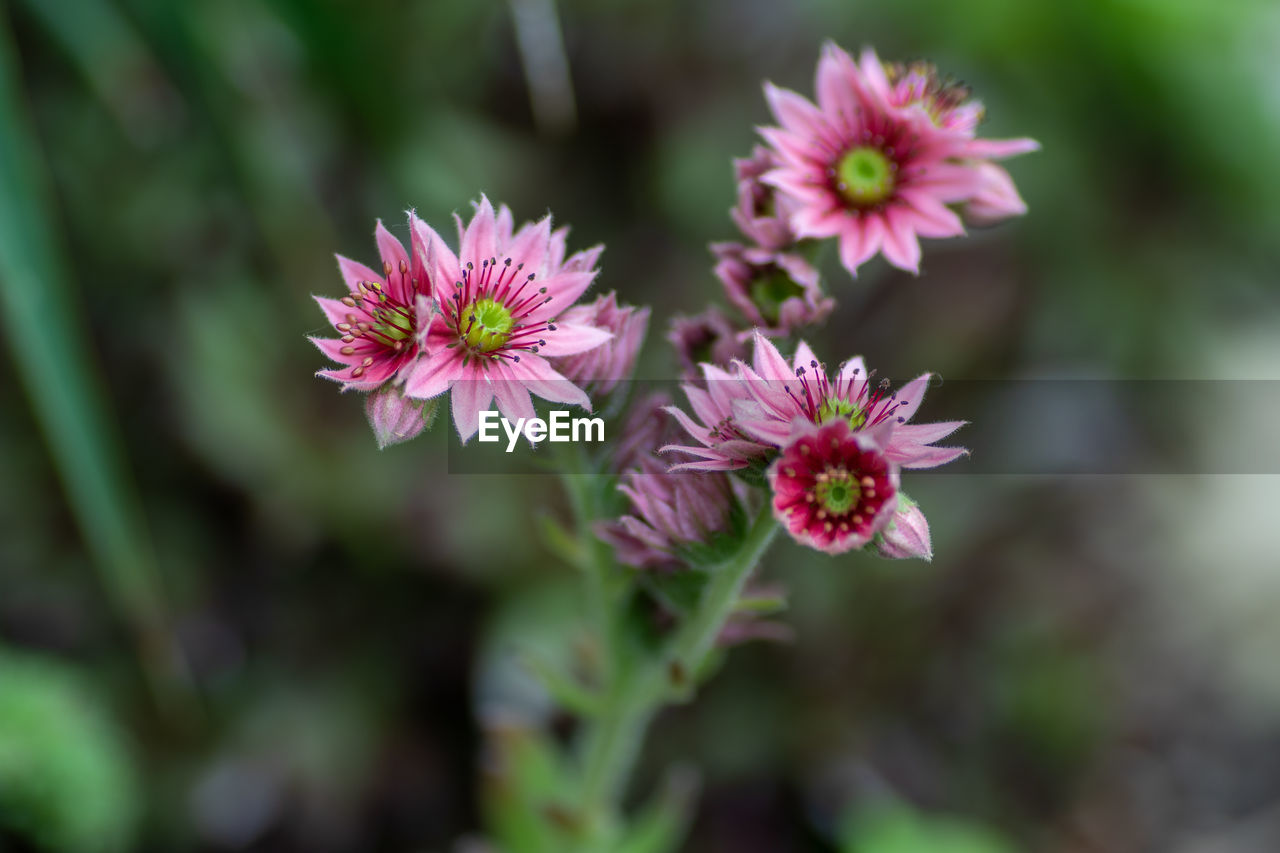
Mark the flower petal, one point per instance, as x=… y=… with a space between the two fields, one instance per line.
x=354 y=272
x=434 y=374
x=468 y=399
x=541 y=378
x=480 y=241
x=572 y=338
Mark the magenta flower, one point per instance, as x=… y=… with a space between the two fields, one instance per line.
x=670 y=515
x=600 y=369
x=749 y=411
x=833 y=487
x=379 y=320
x=777 y=292
x=501 y=299
x=707 y=337
x=880 y=157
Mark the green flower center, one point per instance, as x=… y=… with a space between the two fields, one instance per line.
x=391 y=324
x=836 y=491
x=770 y=290
x=834 y=408
x=865 y=176
x=486 y=325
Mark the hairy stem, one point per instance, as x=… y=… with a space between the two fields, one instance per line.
x=637 y=692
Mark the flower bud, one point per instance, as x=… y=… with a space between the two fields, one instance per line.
x=396 y=418
x=906 y=536
x=600 y=369
x=707 y=337
x=778 y=293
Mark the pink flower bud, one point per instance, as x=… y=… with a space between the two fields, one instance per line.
x=396 y=418
x=708 y=338
x=600 y=369
x=907 y=534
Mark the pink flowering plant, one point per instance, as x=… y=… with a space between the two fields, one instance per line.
x=672 y=521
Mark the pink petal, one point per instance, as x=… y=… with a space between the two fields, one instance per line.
x=852 y=372
x=434 y=259
x=530 y=247
x=505 y=225
x=332 y=347
x=819 y=221
x=511 y=396
x=834 y=81
x=434 y=374
x=541 y=378
x=701 y=433
x=563 y=290
x=390 y=249
x=910 y=396
x=804 y=357
x=796 y=150
x=480 y=242
x=468 y=399
x=901 y=248
x=769 y=363
x=998 y=149
x=333 y=309
x=925 y=457
x=873 y=76
x=922 y=434
x=571 y=338
x=354 y=272
x=795 y=112
x=709 y=465
x=860 y=238
x=584 y=261
x=948 y=182
x=930 y=217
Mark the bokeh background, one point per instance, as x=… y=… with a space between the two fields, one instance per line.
x=228 y=622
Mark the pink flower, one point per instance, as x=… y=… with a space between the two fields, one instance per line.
x=379 y=319
x=670 y=515
x=834 y=488
x=906 y=535
x=777 y=292
x=715 y=403
x=501 y=299
x=707 y=337
x=750 y=410
x=602 y=368
x=880 y=157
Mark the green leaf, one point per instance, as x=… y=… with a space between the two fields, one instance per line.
x=899 y=829
x=65 y=780
x=661 y=825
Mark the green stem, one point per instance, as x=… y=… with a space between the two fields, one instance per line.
x=614 y=740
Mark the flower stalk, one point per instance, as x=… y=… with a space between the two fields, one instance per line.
x=638 y=692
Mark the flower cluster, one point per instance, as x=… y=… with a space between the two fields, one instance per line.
x=886 y=154
x=839 y=442
x=486 y=324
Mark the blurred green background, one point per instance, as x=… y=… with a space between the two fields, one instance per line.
x=227 y=622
